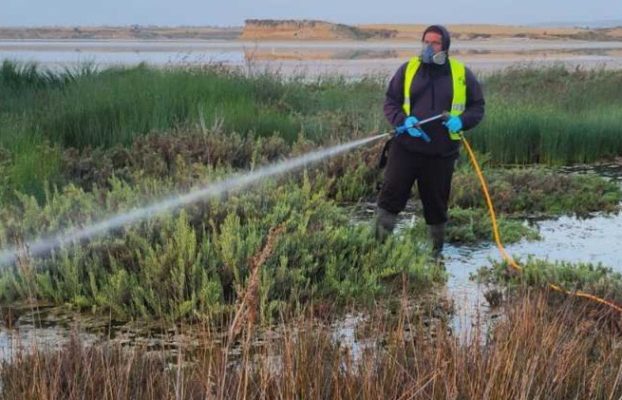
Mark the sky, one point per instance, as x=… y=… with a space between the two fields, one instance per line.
x=234 y=12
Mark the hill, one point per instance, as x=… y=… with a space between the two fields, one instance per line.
x=255 y=29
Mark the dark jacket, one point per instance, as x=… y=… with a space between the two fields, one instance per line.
x=431 y=93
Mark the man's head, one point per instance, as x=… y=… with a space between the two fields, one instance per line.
x=435 y=43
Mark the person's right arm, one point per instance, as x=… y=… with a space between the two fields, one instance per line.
x=394 y=100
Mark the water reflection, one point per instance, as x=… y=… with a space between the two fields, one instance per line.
x=346 y=58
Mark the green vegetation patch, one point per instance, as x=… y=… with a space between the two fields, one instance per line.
x=536 y=191
x=592 y=278
x=196 y=263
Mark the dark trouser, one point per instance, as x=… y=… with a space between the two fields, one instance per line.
x=433 y=177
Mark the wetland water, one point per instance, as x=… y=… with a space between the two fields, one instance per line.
x=310 y=58
x=594 y=239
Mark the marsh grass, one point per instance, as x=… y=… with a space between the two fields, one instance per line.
x=79 y=146
x=593 y=278
x=539 y=350
x=549 y=116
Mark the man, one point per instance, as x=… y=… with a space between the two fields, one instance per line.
x=426 y=86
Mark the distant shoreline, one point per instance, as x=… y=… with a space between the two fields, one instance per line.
x=304 y=30
x=134 y=32
x=312 y=58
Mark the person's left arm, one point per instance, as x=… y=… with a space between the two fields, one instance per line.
x=474 y=110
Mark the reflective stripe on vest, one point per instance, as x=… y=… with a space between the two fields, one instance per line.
x=458 y=77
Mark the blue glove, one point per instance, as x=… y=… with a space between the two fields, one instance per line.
x=409 y=126
x=410 y=121
x=453 y=124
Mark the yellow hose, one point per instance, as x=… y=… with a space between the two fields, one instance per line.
x=497 y=237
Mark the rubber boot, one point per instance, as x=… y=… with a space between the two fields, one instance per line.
x=437 y=235
x=385 y=223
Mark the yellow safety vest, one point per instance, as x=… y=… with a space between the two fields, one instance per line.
x=458 y=77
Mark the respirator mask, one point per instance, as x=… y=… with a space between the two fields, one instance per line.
x=428 y=56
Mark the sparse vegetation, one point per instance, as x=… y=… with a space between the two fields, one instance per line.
x=536 y=351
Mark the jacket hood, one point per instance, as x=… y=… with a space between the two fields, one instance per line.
x=441 y=30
